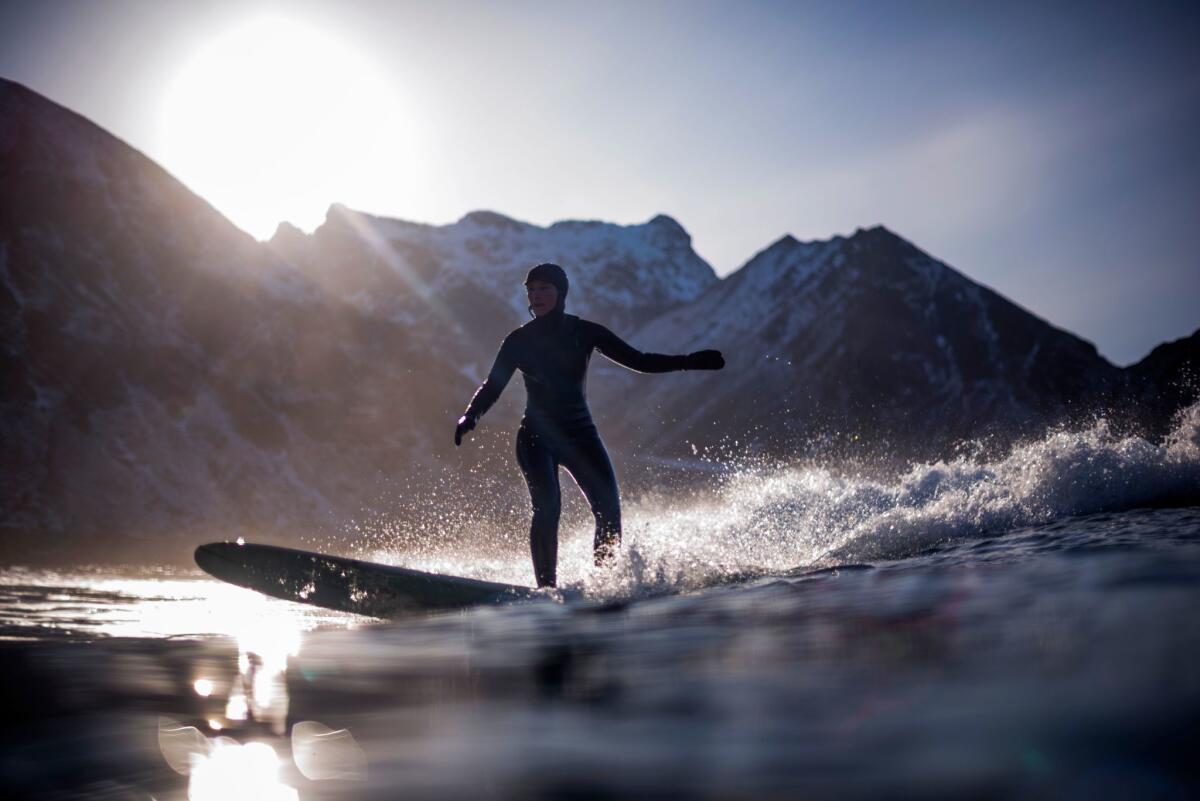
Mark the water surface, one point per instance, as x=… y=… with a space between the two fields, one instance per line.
x=1019 y=629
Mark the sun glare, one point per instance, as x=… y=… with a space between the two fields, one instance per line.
x=275 y=119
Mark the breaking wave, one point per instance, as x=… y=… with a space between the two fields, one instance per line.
x=763 y=522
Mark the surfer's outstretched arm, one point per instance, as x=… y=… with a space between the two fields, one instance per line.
x=489 y=391
x=626 y=355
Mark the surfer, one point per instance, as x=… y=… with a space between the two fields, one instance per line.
x=552 y=352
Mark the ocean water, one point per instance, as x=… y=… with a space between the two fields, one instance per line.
x=1024 y=628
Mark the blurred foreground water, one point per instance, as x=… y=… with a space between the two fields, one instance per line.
x=1055 y=661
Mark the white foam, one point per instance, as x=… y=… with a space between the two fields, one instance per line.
x=769 y=522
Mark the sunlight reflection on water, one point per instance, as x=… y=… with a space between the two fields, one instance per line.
x=949 y=674
x=232 y=771
x=87 y=605
x=221 y=768
x=264 y=645
x=243 y=750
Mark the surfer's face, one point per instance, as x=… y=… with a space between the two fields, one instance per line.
x=543 y=297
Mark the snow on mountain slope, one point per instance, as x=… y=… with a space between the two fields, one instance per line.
x=864 y=337
x=167 y=379
x=621 y=274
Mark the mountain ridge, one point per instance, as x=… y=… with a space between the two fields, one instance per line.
x=168 y=378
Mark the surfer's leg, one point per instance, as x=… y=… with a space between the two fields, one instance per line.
x=587 y=461
x=541 y=474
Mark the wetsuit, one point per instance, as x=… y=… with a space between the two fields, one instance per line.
x=552 y=353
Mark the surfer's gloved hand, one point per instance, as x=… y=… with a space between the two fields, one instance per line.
x=465 y=424
x=704 y=360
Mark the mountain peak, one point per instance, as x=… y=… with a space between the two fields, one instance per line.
x=783 y=243
x=668 y=222
x=338 y=212
x=875 y=233
x=491 y=219
x=667 y=229
x=286 y=232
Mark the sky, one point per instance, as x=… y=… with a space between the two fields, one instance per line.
x=1047 y=150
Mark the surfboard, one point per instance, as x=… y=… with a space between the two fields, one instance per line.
x=347 y=585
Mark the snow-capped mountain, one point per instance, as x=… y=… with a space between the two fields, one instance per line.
x=863 y=339
x=624 y=274
x=167 y=379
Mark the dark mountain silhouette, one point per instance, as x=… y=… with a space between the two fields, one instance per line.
x=1158 y=386
x=167 y=379
x=865 y=344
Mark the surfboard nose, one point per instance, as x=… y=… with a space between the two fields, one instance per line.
x=214 y=556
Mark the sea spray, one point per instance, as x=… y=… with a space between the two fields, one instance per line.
x=763 y=522
x=766 y=520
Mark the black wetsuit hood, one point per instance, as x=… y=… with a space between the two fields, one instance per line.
x=557 y=277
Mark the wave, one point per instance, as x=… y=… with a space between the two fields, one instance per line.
x=763 y=522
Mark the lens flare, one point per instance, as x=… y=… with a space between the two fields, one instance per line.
x=231 y=770
x=323 y=753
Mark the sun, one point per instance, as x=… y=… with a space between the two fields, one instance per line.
x=275 y=120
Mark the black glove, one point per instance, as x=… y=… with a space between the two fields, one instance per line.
x=704 y=360
x=465 y=424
